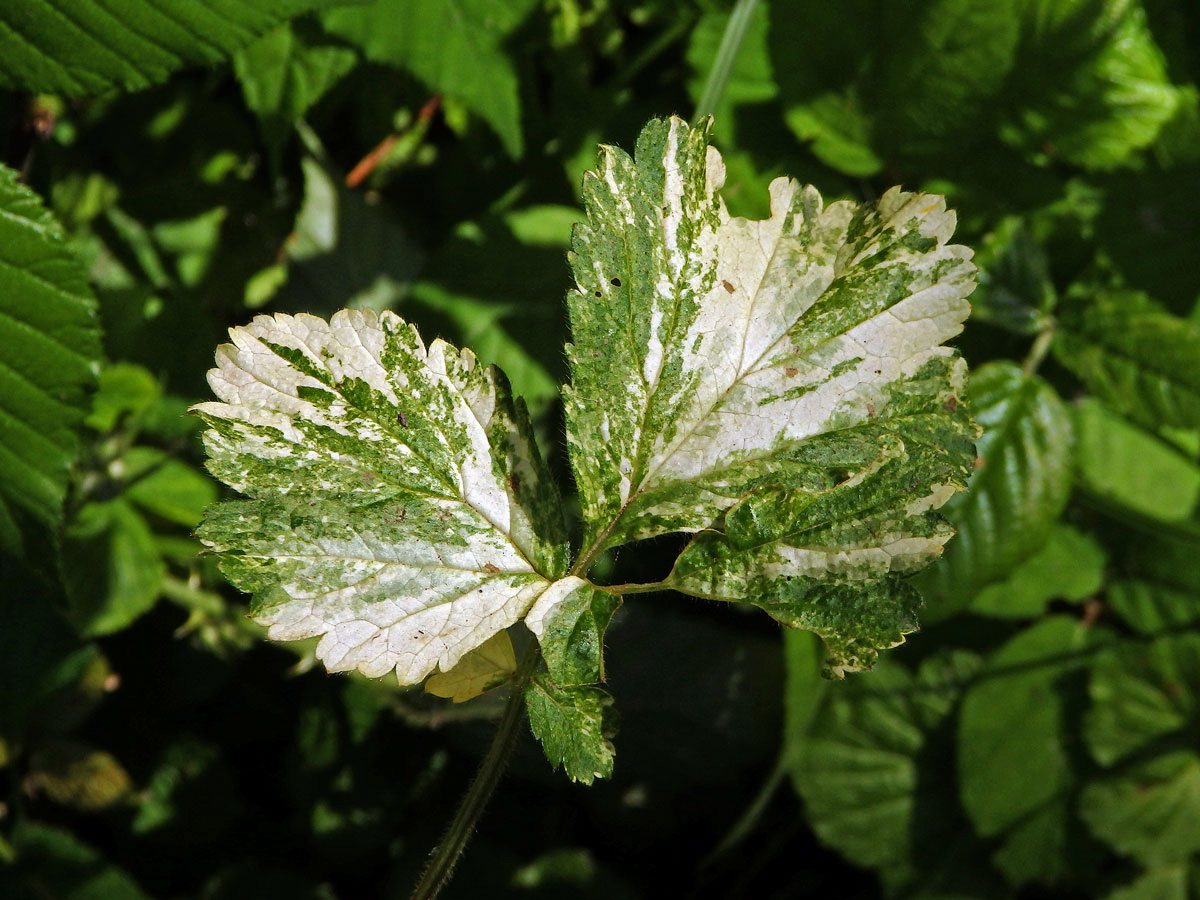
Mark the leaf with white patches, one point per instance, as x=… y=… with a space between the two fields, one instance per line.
x=713 y=355
x=779 y=386
x=398 y=506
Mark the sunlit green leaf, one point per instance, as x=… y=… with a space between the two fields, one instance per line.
x=89 y=46
x=113 y=569
x=866 y=770
x=1150 y=811
x=1137 y=358
x=284 y=73
x=1140 y=693
x=1012 y=755
x=454 y=46
x=1070 y=566
x=49 y=356
x=1132 y=468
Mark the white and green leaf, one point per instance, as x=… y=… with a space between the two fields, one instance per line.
x=398 y=506
x=713 y=355
x=782 y=381
x=570 y=619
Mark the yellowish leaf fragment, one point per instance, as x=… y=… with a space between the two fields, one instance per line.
x=488 y=666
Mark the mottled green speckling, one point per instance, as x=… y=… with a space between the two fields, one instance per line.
x=575 y=725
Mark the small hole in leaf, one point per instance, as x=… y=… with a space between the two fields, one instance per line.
x=615 y=282
x=598 y=294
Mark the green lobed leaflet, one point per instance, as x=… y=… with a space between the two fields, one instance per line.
x=779 y=388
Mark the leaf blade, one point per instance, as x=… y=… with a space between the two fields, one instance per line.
x=705 y=320
x=399 y=506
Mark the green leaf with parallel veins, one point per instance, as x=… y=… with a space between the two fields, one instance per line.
x=399 y=507
x=89 y=46
x=575 y=724
x=1139 y=359
x=1141 y=693
x=49 y=355
x=1069 y=566
x=778 y=377
x=1151 y=811
x=284 y=73
x=866 y=771
x=1019 y=490
x=1012 y=752
x=1132 y=468
x=112 y=567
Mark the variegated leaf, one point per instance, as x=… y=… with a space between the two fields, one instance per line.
x=569 y=620
x=713 y=355
x=398 y=505
x=778 y=385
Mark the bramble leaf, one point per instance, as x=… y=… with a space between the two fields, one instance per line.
x=79 y=47
x=398 y=508
x=781 y=379
x=49 y=357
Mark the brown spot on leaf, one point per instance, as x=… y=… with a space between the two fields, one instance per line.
x=790 y=372
x=729 y=287
x=870 y=410
x=951 y=403
x=491 y=569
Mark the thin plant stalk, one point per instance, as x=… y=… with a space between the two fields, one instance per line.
x=731 y=43
x=462 y=826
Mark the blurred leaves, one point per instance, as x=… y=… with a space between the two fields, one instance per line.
x=1020 y=486
x=455 y=47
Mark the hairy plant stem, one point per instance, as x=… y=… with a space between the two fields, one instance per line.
x=731 y=43
x=462 y=826
x=634 y=588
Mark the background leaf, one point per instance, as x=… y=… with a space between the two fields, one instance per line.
x=49 y=356
x=1020 y=486
x=74 y=48
x=454 y=46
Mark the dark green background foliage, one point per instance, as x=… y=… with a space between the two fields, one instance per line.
x=169 y=177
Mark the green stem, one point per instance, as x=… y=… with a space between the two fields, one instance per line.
x=1037 y=353
x=731 y=43
x=749 y=819
x=462 y=826
x=634 y=588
